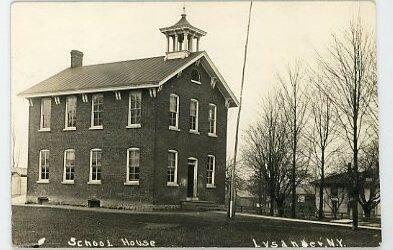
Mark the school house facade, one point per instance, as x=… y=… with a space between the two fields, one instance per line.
x=150 y=131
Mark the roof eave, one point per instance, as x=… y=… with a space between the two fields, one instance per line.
x=87 y=91
x=174 y=29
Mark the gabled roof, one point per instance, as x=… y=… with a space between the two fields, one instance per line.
x=344 y=178
x=133 y=74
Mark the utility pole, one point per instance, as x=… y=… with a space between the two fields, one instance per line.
x=232 y=190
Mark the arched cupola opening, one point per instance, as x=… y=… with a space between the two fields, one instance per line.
x=182 y=38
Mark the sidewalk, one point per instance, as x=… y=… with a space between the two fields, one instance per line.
x=102 y=209
x=303 y=221
x=124 y=211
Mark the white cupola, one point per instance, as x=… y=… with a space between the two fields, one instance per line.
x=182 y=38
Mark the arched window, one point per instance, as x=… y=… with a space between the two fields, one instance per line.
x=195 y=77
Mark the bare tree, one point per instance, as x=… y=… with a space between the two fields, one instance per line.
x=294 y=101
x=335 y=199
x=268 y=154
x=321 y=136
x=258 y=186
x=348 y=70
x=369 y=195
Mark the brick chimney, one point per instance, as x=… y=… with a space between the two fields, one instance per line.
x=76 y=58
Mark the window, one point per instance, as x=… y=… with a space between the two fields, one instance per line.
x=135 y=108
x=194 y=109
x=195 y=77
x=172 y=168
x=44 y=166
x=174 y=111
x=69 y=166
x=133 y=166
x=95 y=166
x=45 y=114
x=211 y=168
x=70 y=114
x=97 y=104
x=212 y=119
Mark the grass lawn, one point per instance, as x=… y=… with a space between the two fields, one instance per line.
x=179 y=229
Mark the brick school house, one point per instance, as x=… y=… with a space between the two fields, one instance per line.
x=144 y=132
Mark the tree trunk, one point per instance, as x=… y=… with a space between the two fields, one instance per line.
x=320 y=209
x=367 y=213
x=271 y=206
x=260 y=202
x=293 y=176
x=335 y=209
x=321 y=188
x=355 y=216
x=293 y=184
x=280 y=208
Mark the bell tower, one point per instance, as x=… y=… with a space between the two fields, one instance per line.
x=182 y=38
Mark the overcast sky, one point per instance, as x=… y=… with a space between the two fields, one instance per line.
x=42 y=35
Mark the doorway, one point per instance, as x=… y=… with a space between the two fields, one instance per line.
x=192 y=179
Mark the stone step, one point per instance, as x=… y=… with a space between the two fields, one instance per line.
x=199 y=205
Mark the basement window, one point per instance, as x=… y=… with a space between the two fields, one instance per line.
x=93 y=203
x=43 y=200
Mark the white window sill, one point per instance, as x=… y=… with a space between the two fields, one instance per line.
x=210 y=186
x=94 y=183
x=134 y=126
x=197 y=82
x=43 y=181
x=131 y=183
x=44 y=130
x=212 y=134
x=174 y=128
x=172 y=184
x=68 y=182
x=69 y=129
x=96 y=127
x=194 y=132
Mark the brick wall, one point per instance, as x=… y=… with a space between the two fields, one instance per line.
x=154 y=140
x=188 y=144
x=114 y=140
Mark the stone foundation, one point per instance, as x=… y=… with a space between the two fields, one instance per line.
x=114 y=204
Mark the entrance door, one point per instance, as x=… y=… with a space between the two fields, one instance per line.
x=190 y=181
x=192 y=178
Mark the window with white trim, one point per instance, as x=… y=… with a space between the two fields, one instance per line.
x=135 y=109
x=194 y=110
x=70 y=114
x=172 y=167
x=45 y=114
x=211 y=169
x=212 y=119
x=44 y=165
x=174 y=111
x=69 y=166
x=97 y=106
x=195 y=76
x=133 y=165
x=95 y=166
